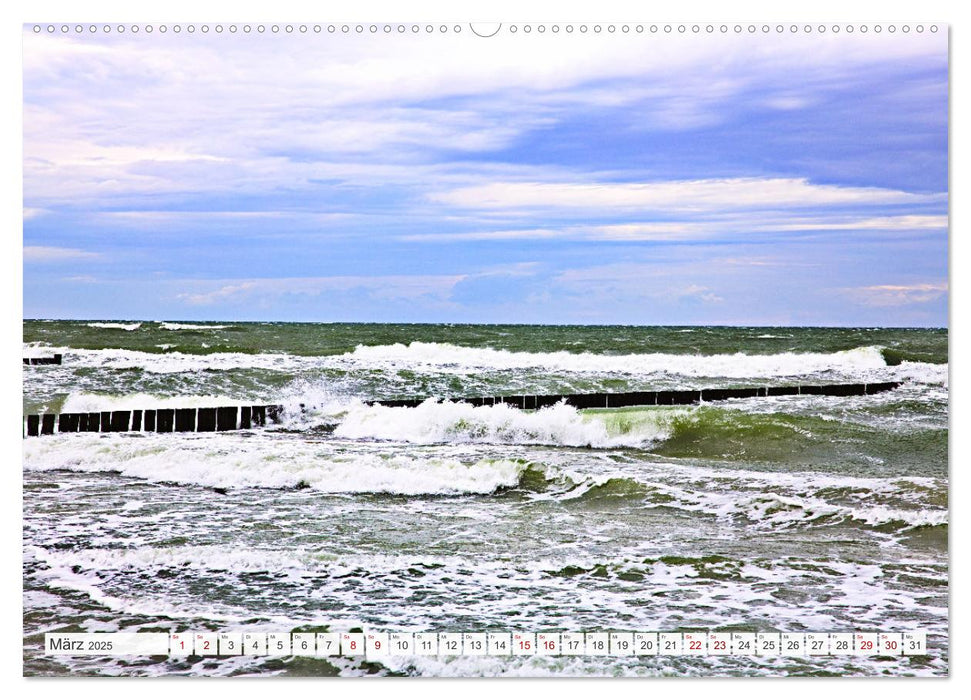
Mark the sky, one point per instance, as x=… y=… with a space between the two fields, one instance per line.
x=675 y=179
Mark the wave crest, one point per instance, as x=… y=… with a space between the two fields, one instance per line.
x=117 y=326
x=167 y=326
x=435 y=422
x=211 y=462
x=737 y=365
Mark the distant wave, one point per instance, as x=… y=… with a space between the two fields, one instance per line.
x=447 y=356
x=164 y=325
x=176 y=362
x=859 y=364
x=119 y=326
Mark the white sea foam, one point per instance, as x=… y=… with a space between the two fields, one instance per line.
x=863 y=588
x=84 y=402
x=765 y=499
x=37 y=350
x=753 y=499
x=444 y=422
x=858 y=364
x=179 y=362
x=165 y=325
x=214 y=462
x=64 y=573
x=444 y=356
x=210 y=557
x=884 y=515
x=921 y=372
x=432 y=422
x=119 y=326
x=761 y=502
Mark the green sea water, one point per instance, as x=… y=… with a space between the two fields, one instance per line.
x=794 y=513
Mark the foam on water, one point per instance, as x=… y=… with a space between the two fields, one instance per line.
x=922 y=372
x=780 y=500
x=444 y=356
x=548 y=592
x=178 y=362
x=119 y=326
x=165 y=325
x=444 y=422
x=214 y=462
x=863 y=363
x=776 y=510
x=203 y=557
x=761 y=500
x=751 y=499
x=450 y=516
x=84 y=402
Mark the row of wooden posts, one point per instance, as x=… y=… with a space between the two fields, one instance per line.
x=53 y=360
x=161 y=420
x=224 y=418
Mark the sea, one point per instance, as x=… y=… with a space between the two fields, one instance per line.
x=798 y=513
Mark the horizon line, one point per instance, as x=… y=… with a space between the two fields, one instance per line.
x=486 y=323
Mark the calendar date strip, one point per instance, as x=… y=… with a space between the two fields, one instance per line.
x=375 y=645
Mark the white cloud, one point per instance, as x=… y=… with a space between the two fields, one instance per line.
x=82 y=279
x=695 y=291
x=83 y=154
x=714 y=226
x=153 y=220
x=498 y=235
x=386 y=288
x=650 y=284
x=165 y=113
x=44 y=254
x=898 y=294
x=788 y=102
x=635 y=231
x=683 y=195
x=636 y=273
x=516 y=269
x=880 y=223
x=223 y=293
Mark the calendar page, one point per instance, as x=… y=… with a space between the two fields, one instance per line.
x=590 y=349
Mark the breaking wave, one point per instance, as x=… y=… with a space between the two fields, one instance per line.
x=737 y=365
x=444 y=422
x=208 y=461
x=165 y=325
x=862 y=362
x=118 y=326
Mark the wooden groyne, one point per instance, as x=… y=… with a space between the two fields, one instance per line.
x=224 y=418
x=54 y=360
x=160 y=420
x=531 y=402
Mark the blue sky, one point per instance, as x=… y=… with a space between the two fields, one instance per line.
x=672 y=179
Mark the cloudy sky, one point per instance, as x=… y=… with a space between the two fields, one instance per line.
x=652 y=179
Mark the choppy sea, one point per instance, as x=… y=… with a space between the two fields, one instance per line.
x=788 y=513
